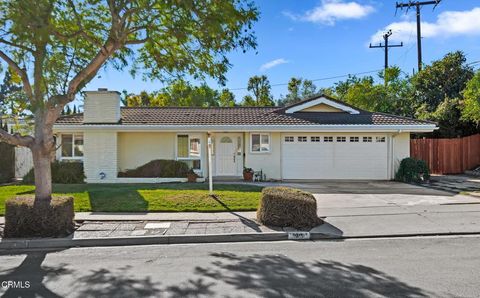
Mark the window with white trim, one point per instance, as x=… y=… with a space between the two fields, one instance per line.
x=189 y=150
x=341 y=139
x=367 y=139
x=289 y=139
x=72 y=146
x=315 y=139
x=302 y=139
x=260 y=142
x=380 y=139
x=328 y=139
x=354 y=139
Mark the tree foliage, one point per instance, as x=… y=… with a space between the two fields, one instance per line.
x=57 y=47
x=181 y=93
x=438 y=94
x=471 y=104
x=260 y=88
x=298 y=89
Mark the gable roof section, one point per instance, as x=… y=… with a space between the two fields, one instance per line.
x=318 y=100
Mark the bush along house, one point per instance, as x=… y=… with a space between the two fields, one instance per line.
x=317 y=138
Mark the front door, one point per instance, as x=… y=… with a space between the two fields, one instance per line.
x=226 y=155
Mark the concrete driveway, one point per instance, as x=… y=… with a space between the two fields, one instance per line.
x=377 y=197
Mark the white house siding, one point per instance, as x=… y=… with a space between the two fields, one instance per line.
x=138 y=148
x=401 y=149
x=100 y=156
x=269 y=162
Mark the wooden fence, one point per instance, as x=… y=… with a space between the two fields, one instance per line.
x=448 y=156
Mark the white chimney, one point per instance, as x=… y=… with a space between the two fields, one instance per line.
x=101 y=106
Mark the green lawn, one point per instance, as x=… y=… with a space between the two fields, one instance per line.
x=147 y=197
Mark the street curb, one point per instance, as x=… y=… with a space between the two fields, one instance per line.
x=18 y=244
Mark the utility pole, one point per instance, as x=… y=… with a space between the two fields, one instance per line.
x=386 y=46
x=418 y=5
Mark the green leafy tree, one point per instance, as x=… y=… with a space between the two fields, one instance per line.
x=260 y=87
x=438 y=94
x=392 y=95
x=57 y=47
x=471 y=104
x=13 y=102
x=298 y=89
x=227 y=98
x=178 y=94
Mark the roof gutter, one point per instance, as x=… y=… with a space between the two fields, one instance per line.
x=252 y=128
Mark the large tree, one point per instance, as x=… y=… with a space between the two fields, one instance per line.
x=57 y=47
x=181 y=93
x=298 y=89
x=438 y=94
x=260 y=88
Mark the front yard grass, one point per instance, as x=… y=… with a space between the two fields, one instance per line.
x=173 y=197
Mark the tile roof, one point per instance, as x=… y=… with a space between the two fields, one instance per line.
x=245 y=116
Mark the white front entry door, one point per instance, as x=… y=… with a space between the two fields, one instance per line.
x=226 y=155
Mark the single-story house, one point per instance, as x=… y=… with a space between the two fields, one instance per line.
x=317 y=138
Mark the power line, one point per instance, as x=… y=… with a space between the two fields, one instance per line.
x=320 y=79
x=417 y=5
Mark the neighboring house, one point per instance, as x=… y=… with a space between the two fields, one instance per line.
x=318 y=138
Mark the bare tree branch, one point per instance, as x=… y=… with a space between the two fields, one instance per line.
x=27 y=87
x=16 y=139
x=16 y=45
x=89 y=71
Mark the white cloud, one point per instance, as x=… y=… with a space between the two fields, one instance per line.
x=331 y=11
x=448 y=23
x=272 y=64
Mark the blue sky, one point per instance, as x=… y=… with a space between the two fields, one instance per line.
x=320 y=39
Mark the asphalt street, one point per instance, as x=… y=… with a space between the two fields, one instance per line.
x=406 y=267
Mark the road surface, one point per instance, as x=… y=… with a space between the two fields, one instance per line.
x=406 y=267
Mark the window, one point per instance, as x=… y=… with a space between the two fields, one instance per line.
x=289 y=139
x=260 y=142
x=239 y=146
x=328 y=139
x=302 y=139
x=315 y=139
x=341 y=139
x=380 y=139
x=189 y=150
x=354 y=139
x=72 y=146
x=367 y=139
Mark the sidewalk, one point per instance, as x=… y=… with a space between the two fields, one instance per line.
x=99 y=229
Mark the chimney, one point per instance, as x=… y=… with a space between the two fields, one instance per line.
x=101 y=106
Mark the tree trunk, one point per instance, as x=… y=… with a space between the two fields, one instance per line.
x=43 y=174
x=42 y=150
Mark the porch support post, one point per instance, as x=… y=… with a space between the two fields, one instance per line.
x=210 y=170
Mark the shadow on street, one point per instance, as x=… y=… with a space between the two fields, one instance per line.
x=258 y=275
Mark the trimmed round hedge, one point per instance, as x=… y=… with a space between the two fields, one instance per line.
x=288 y=207
x=26 y=217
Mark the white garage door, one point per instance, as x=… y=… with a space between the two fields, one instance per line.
x=317 y=156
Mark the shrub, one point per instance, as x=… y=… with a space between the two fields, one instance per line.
x=412 y=170
x=62 y=173
x=160 y=168
x=288 y=207
x=25 y=217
